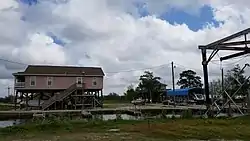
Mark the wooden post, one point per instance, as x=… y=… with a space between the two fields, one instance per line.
x=31 y=96
x=81 y=98
x=75 y=98
x=75 y=102
x=16 y=95
x=83 y=101
x=55 y=104
x=39 y=101
x=101 y=97
x=21 y=100
x=26 y=100
x=62 y=105
x=94 y=96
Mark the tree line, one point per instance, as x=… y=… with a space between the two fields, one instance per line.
x=151 y=87
x=231 y=83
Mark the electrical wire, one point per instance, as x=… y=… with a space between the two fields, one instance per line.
x=140 y=69
x=132 y=70
x=227 y=64
x=195 y=69
x=13 y=62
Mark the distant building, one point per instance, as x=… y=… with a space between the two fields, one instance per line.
x=53 y=87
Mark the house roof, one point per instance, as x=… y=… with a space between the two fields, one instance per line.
x=72 y=70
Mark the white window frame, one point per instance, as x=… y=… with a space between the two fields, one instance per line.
x=33 y=78
x=79 y=78
x=94 y=80
x=49 y=79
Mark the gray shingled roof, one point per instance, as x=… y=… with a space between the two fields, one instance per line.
x=41 y=69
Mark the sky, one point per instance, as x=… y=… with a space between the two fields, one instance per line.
x=125 y=38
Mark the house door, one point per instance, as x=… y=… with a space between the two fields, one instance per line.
x=79 y=80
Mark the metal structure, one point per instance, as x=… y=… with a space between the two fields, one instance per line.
x=230 y=98
x=223 y=44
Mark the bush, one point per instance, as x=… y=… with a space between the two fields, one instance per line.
x=187 y=114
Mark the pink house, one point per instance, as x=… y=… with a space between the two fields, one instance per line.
x=59 y=87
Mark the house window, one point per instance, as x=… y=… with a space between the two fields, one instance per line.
x=94 y=82
x=49 y=81
x=32 y=81
x=79 y=80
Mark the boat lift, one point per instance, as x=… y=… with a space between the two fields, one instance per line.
x=241 y=47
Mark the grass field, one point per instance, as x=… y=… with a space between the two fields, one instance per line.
x=157 y=130
x=115 y=103
x=6 y=106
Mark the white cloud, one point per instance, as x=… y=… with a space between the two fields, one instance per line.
x=103 y=33
x=7 y=4
x=42 y=49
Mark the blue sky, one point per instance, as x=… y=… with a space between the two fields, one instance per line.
x=194 y=22
x=29 y=2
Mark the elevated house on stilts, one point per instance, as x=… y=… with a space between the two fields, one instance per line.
x=59 y=87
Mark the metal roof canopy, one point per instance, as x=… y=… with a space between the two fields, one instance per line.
x=183 y=92
x=178 y=92
x=223 y=44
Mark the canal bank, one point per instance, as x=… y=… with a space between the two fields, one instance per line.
x=133 y=130
x=129 y=110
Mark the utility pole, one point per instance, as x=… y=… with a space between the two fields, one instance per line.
x=172 y=65
x=8 y=91
x=222 y=82
x=9 y=96
x=212 y=97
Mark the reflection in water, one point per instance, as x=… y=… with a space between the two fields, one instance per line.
x=113 y=117
x=7 y=123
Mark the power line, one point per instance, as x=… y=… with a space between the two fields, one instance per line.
x=14 y=62
x=112 y=73
x=227 y=64
x=185 y=67
x=159 y=66
x=132 y=70
x=195 y=69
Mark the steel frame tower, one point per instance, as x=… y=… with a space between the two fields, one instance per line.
x=223 y=44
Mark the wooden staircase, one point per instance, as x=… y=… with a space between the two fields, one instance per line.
x=59 y=97
x=98 y=103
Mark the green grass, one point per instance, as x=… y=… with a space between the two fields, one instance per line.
x=115 y=101
x=158 y=129
x=116 y=105
x=6 y=107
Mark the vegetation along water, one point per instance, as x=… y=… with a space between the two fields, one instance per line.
x=133 y=130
